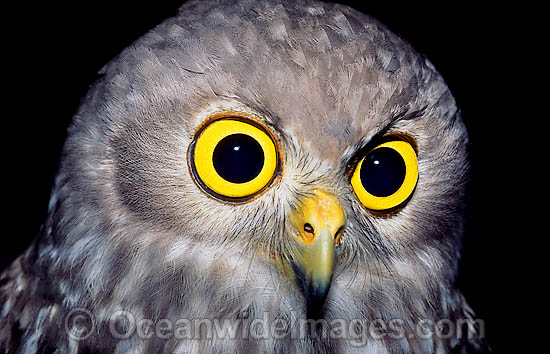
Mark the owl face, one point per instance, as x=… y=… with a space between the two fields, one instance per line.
x=236 y=157
x=305 y=151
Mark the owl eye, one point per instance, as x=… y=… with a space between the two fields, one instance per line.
x=234 y=159
x=386 y=176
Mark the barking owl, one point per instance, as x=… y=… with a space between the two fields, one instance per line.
x=253 y=177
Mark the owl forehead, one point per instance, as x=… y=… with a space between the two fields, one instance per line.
x=325 y=74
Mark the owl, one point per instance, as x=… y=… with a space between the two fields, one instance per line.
x=253 y=177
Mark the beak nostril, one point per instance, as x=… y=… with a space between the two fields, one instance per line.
x=308 y=228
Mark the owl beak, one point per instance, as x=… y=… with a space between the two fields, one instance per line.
x=319 y=222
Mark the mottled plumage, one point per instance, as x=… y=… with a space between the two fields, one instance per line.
x=129 y=229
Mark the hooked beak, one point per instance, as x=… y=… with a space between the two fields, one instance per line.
x=319 y=222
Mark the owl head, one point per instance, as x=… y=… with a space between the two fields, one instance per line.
x=262 y=156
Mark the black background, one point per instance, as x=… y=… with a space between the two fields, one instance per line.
x=55 y=51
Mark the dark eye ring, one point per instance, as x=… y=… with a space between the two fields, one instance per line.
x=386 y=176
x=232 y=158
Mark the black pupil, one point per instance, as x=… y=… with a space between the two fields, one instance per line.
x=238 y=158
x=383 y=172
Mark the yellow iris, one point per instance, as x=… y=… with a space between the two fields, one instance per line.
x=203 y=158
x=402 y=192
